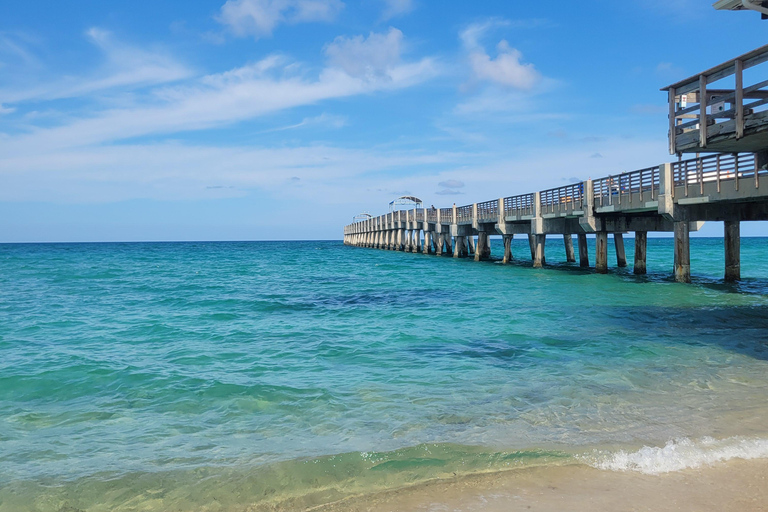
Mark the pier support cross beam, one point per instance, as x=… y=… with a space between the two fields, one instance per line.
x=621 y=255
x=641 y=250
x=732 y=242
x=570 y=255
x=601 y=252
x=682 y=252
x=583 y=250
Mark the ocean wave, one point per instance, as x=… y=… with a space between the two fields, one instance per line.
x=679 y=454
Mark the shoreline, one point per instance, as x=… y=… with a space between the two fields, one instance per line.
x=736 y=485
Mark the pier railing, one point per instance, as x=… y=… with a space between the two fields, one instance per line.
x=464 y=214
x=488 y=210
x=519 y=206
x=630 y=187
x=702 y=116
x=562 y=200
x=637 y=190
x=712 y=168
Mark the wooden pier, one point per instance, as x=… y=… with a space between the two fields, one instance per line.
x=678 y=197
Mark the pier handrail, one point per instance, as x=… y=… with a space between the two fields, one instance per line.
x=522 y=204
x=717 y=168
x=567 y=195
x=695 y=90
x=488 y=210
x=612 y=188
x=464 y=214
x=608 y=190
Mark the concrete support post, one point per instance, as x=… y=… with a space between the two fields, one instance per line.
x=621 y=255
x=416 y=245
x=439 y=245
x=682 y=252
x=482 y=242
x=486 y=252
x=538 y=254
x=601 y=252
x=583 y=250
x=400 y=239
x=531 y=242
x=570 y=255
x=732 y=240
x=448 y=246
x=507 y=249
x=427 y=248
x=458 y=243
x=470 y=245
x=641 y=246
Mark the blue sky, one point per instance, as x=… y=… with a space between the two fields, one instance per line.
x=282 y=119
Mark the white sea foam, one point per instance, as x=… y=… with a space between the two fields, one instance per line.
x=679 y=454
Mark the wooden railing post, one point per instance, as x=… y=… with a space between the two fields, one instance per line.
x=702 y=111
x=672 y=121
x=739 y=101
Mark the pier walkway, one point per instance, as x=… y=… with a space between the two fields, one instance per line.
x=729 y=186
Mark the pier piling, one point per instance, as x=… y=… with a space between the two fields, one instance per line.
x=583 y=250
x=570 y=255
x=507 y=249
x=682 y=252
x=732 y=242
x=538 y=257
x=601 y=252
x=641 y=246
x=621 y=255
x=532 y=243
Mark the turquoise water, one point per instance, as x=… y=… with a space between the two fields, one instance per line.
x=146 y=376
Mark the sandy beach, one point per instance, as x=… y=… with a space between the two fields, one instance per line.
x=738 y=485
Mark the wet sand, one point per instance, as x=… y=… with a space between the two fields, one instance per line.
x=738 y=485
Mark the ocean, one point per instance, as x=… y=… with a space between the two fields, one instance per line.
x=286 y=375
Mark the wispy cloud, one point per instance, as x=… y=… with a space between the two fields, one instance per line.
x=394 y=8
x=325 y=120
x=124 y=66
x=451 y=184
x=259 y=18
x=180 y=171
x=267 y=86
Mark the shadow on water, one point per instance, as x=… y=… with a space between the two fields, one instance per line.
x=740 y=329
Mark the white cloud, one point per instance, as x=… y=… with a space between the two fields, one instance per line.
x=370 y=58
x=259 y=18
x=124 y=66
x=506 y=69
x=393 y=8
x=6 y=110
